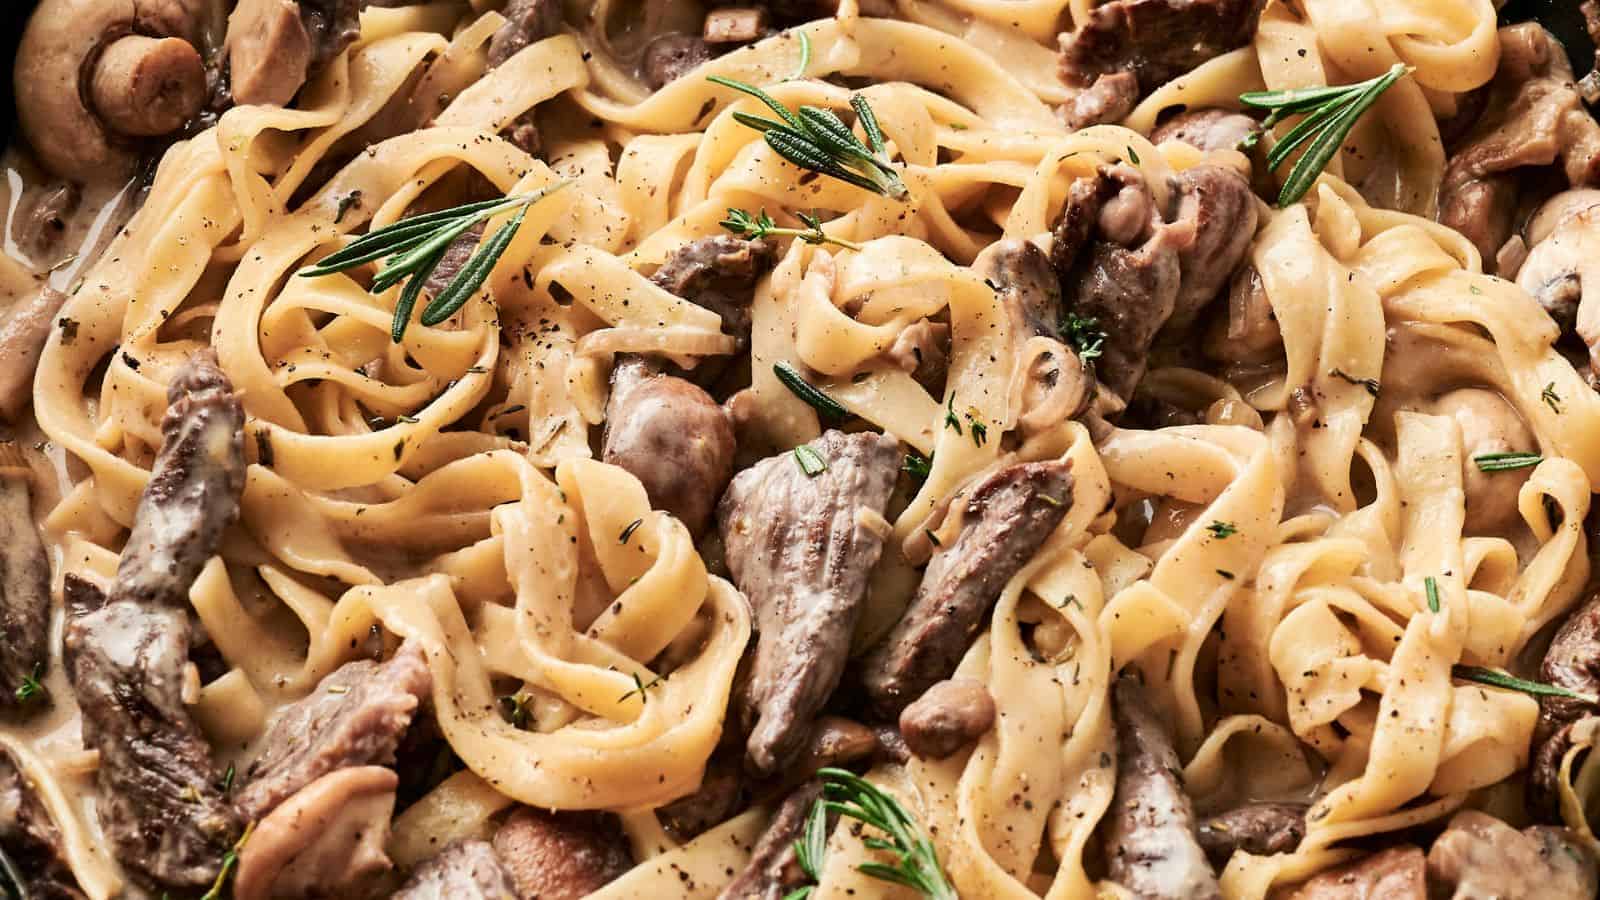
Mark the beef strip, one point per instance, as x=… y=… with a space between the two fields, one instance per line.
x=718 y=273
x=719 y=798
x=1008 y=516
x=1109 y=100
x=159 y=800
x=802 y=549
x=1262 y=829
x=1120 y=265
x=355 y=717
x=1479 y=856
x=1155 y=40
x=774 y=867
x=561 y=856
x=1207 y=129
x=22 y=338
x=465 y=870
x=30 y=839
x=24 y=589
x=527 y=22
x=1534 y=117
x=734 y=25
x=672 y=56
x=1216 y=202
x=1149 y=831
x=948 y=716
x=1397 y=873
x=672 y=436
x=1572 y=662
x=275 y=46
x=455 y=258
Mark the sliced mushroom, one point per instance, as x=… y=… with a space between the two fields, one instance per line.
x=328 y=836
x=1562 y=271
x=95 y=75
x=1488 y=425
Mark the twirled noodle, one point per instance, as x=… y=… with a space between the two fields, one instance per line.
x=443 y=488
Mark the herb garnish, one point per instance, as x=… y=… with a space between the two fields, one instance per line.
x=810 y=849
x=818 y=140
x=229 y=860
x=805 y=57
x=1220 y=529
x=1496 y=678
x=1551 y=398
x=811 y=462
x=639 y=688
x=796 y=383
x=1331 y=113
x=1088 y=340
x=1505 y=462
x=951 y=420
x=916 y=864
x=761 y=225
x=32 y=687
x=975 y=427
x=227 y=780
x=516 y=709
x=628 y=531
x=1431 y=589
x=415 y=245
x=1371 y=384
x=917 y=465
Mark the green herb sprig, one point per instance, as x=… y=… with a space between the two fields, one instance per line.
x=810 y=850
x=1330 y=114
x=918 y=466
x=1506 y=462
x=816 y=139
x=32 y=687
x=916 y=862
x=1496 y=678
x=229 y=861
x=1085 y=336
x=1430 y=589
x=761 y=225
x=811 y=462
x=412 y=248
x=828 y=407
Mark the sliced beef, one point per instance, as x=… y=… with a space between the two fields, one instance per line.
x=1261 y=829
x=466 y=870
x=718 y=273
x=1479 y=856
x=1149 y=831
x=1398 y=873
x=1534 y=117
x=30 y=839
x=1216 y=203
x=1571 y=662
x=948 y=716
x=275 y=46
x=24 y=589
x=774 y=868
x=672 y=56
x=1120 y=265
x=1207 y=129
x=1007 y=518
x=1108 y=101
x=561 y=856
x=355 y=717
x=527 y=22
x=125 y=652
x=720 y=797
x=1155 y=40
x=22 y=338
x=802 y=549
x=735 y=25
x=326 y=841
x=672 y=436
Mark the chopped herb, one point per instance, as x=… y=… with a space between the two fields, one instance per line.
x=1088 y=340
x=932 y=538
x=917 y=465
x=348 y=200
x=1430 y=587
x=1225 y=574
x=1475 y=289
x=975 y=427
x=916 y=861
x=1071 y=600
x=1331 y=113
x=1132 y=156
x=640 y=687
x=1371 y=384
x=951 y=420
x=1551 y=398
x=628 y=532
x=1220 y=529
x=817 y=140
x=227 y=780
x=1505 y=462
x=412 y=248
x=761 y=225
x=515 y=709
x=811 y=462
x=229 y=860
x=828 y=407
x=1495 y=678
x=32 y=688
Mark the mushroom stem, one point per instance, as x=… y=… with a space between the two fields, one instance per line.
x=145 y=86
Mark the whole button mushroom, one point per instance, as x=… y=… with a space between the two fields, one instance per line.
x=94 y=77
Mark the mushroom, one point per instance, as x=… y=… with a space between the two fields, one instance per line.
x=1488 y=425
x=22 y=339
x=1562 y=269
x=330 y=834
x=95 y=76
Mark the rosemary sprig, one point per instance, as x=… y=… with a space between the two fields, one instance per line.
x=828 y=407
x=761 y=225
x=810 y=849
x=1496 y=678
x=229 y=860
x=1330 y=114
x=818 y=140
x=412 y=248
x=1505 y=462
x=916 y=861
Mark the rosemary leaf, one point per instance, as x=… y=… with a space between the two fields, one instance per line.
x=1496 y=678
x=828 y=407
x=1430 y=588
x=1506 y=462
x=408 y=302
x=811 y=462
x=473 y=274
